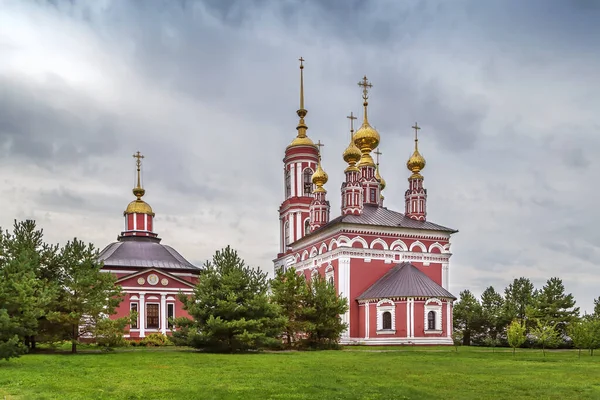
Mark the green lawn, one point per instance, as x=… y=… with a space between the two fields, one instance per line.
x=355 y=373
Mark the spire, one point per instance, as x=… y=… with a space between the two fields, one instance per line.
x=139 y=217
x=416 y=196
x=366 y=138
x=138 y=191
x=416 y=162
x=301 y=138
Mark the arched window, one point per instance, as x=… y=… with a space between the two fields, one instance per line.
x=286 y=229
x=307 y=179
x=307 y=227
x=288 y=184
x=431 y=320
x=386 y=320
x=331 y=280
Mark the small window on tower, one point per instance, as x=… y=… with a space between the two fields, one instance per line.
x=307 y=227
x=308 y=185
x=288 y=184
x=286 y=229
x=373 y=195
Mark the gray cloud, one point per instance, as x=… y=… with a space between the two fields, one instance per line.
x=207 y=90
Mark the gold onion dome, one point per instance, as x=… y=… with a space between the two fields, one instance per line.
x=416 y=162
x=366 y=138
x=140 y=207
x=352 y=154
x=320 y=178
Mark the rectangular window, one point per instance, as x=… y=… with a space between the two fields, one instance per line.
x=152 y=316
x=170 y=314
x=134 y=307
x=373 y=192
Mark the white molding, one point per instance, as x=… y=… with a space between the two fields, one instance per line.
x=367 y=319
x=379 y=341
x=344 y=289
x=430 y=306
x=134 y=289
x=167 y=274
x=381 y=308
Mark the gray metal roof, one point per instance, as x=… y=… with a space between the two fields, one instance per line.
x=404 y=280
x=381 y=216
x=143 y=252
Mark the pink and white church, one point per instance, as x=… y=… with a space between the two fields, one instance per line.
x=392 y=267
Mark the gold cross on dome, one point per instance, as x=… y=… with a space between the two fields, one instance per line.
x=366 y=85
x=139 y=157
x=351 y=117
x=416 y=127
x=378 y=153
x=320 y=145
x=301 y=62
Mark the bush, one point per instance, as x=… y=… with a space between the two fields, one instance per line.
x=155 y=339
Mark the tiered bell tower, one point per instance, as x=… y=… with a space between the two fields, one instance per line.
x=416 y=195
x=139 y=217
x=352 y=196
x=299 y=164
x=319 y=207
x=367 y=139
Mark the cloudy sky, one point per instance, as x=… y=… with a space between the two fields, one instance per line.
x=506 y=93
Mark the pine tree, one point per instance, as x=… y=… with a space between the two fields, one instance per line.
x=493 y=318
x=289 y=291
x=553 y=307
x=467 y=316
x=86 y=295
x=230 y=308
x=322 y=310
x=23 y=297
x=518 y=296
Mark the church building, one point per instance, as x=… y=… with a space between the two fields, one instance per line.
x=392 y=267
x=150 y=273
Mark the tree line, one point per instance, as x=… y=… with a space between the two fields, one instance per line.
x=50 y=293
x=526 y=316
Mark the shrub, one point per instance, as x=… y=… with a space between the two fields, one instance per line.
x=155 y=339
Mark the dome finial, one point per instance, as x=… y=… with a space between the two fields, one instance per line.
x=301 y=138
x=138 y=191
x=366 y=138
x=320 y=177
x=416 y=162
x=352 y=153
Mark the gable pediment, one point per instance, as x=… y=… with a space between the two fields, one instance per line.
x=152 y=278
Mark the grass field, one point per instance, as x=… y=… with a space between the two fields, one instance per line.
x=354 y=373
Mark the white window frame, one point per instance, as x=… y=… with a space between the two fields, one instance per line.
x=434 y=305
x=386 y=305
x=137 y=306
x=170 y=304
x=329 y=274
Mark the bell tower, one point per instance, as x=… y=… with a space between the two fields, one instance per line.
x=416 y=196
x=299 y=164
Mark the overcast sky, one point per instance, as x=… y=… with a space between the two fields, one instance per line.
x=506 y=92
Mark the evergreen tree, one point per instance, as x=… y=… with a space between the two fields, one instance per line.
x=230 y=308
x=86 y=294
x=23 y=297
x=553 y=307
x=289 y=291
x=516 y=334
x=518 y=296
x=467 y=316
x=493 y=317
x=545 y=334
x=322 y=310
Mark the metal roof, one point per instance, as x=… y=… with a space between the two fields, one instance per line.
x=404 y=280
x=381 y=216
x=143 y=252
